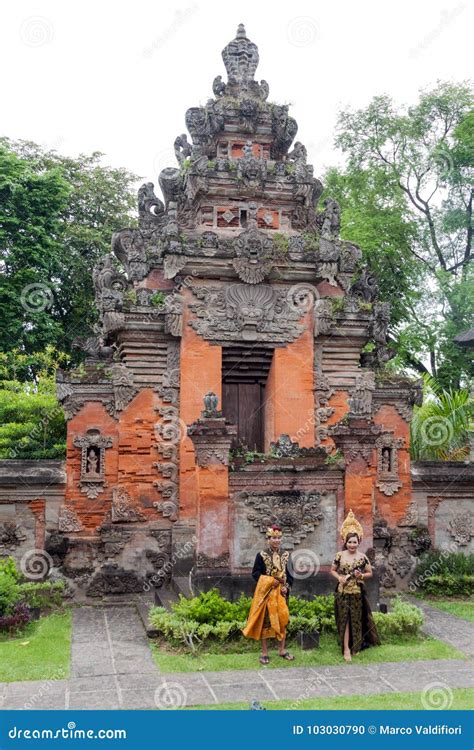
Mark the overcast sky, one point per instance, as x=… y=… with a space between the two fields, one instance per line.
x=118 y=76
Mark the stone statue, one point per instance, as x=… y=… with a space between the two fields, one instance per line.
x=182 y=148
x=92 y=462
x=331 y=219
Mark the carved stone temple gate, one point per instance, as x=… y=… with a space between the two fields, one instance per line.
x=236 y=286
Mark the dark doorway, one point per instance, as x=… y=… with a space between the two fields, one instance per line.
x=244 y=374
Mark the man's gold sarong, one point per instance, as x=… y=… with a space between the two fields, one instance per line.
x=268 y=616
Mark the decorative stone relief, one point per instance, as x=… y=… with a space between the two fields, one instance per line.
x=298 y=513
x=92 y=445
x=254 y=256
x=11 y=535
x=245 y=313
x=388 y=478
x=204 y=561
x=169 y=432
x=123 y=508
x=360 y=400
x=461 y=529
x=123 y=386
x=323 y=318
x=68 y=522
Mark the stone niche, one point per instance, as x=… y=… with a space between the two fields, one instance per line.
x=308 y=520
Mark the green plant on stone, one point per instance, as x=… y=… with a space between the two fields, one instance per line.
x=368 y=347
x=334 y=458
x=337 y=304
x=157 y=299
x=282 y=243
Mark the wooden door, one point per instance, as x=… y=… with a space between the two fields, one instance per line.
x=242 y=404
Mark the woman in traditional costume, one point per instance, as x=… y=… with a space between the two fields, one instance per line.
x=268 y=616
x=355 y=625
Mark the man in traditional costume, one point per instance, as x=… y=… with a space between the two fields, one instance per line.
x=268 y=616
x=355 y=625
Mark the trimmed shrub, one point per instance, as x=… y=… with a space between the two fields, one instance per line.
x=403 y=619
x=9 y=594
x=210 y=618
x=449 y=585
x=438 y=562
x=45 y=594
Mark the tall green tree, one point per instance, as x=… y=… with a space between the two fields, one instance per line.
x=57 y=216
x=406 y=194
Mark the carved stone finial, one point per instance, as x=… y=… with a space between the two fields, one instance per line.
x=240 y=57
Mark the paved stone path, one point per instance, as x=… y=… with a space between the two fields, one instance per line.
x=445 y=627
x=112 y=668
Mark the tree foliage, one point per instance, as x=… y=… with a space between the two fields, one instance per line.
x=442 y=425
x=406 y=195
x=57 y=216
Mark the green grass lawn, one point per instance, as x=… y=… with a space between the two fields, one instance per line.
x=244 y=655
x=463 y=699
x=460 y=607
x=41 y=652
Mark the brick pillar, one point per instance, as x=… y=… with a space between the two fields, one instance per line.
x=211 y=436
x=356 y=440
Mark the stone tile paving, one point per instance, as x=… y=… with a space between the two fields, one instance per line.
x=448 y=628
x=112 y=668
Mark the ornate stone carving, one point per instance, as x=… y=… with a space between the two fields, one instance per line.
x=244 y=313
x=182 y=148
x=461 y=529
x=363 y=450
x=123 y=508
x=68 y=522
x=284 y=129
x=204 y=561
x=92 y=445
x=366 y=286
x=123 y=386
x=411 y=515
x=323 y=318
x=11 y=535
x=150 y=208
x=285 y=447
x=173 y=264
x=170 y=431
x=109 y=285
x=254 y=256
x=360 y=400
x=174 y=314
x=298 y=513
x=330 y=219
x=388 y=478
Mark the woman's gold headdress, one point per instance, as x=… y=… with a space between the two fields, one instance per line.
x=351 y=525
